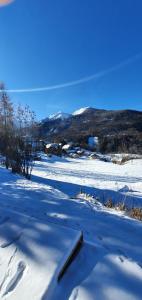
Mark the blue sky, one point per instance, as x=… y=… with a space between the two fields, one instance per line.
x=50 y=42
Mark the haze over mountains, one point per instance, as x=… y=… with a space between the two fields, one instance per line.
x=114 y=128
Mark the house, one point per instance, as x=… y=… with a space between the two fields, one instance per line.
x=53 y=148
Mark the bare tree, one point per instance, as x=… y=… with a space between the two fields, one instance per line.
x=6 y=122
x=17 y=129
x=26 y=122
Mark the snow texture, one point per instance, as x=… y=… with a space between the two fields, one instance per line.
x=80 y=111
x=41 y=219
x=59 y=115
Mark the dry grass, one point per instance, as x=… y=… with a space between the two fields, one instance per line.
x=118 y=206
x=123 y=160
x=109 y=203
x=121 y=206
x=136 y=213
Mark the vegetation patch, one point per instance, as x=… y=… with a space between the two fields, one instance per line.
x=136 y=213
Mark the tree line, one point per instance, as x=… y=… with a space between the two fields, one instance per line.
x=17 y=131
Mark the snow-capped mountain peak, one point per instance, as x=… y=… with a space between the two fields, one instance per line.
x=59 y=115
x=63 y=116
x=80 y=111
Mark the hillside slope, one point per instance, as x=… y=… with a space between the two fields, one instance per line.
x=117 y=130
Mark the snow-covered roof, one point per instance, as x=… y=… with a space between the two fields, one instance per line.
x=67 y=147
x=52 y=145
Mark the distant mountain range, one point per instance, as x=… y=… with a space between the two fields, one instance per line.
x=59 y=115
x=63 y=116
x=114 y=128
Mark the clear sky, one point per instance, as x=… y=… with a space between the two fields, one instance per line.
x=52 y=42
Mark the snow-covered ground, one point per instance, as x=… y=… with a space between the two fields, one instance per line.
x=100 y=179
x=40 y=220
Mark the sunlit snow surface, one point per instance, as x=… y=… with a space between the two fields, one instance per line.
x=80 y=111
x=39 y=220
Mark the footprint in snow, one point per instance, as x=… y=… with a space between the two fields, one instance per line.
x=121 y=259
x=16 y=278
x=74 y=295
x=8 y=269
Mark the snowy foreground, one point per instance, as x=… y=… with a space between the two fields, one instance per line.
x=41 y=219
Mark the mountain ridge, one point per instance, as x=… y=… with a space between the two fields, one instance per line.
x=110 y=126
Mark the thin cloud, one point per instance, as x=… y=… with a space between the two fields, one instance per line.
x=81 y=80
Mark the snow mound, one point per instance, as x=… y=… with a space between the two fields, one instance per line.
x=32 y=255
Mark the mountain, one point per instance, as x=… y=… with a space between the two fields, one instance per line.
x=81 y=111
x=117 y=130
x=59 y=115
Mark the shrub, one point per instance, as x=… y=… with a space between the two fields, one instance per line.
x=109 y=203
x=121 y=206
x=125 y=159
x=136 y=213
